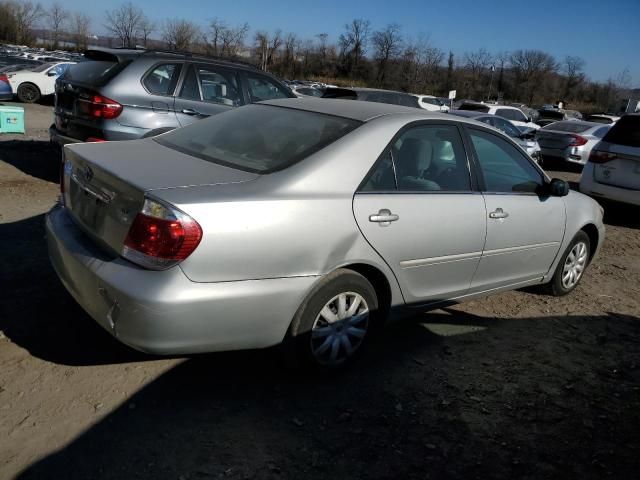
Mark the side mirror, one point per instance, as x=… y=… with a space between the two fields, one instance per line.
x=558 y=188
x=52 y=73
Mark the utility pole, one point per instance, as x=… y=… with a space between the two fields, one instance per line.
x=493 y=69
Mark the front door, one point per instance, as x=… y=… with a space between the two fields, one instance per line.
x=524 y=229
x=418 y=211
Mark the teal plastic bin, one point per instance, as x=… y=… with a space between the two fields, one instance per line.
x=11 y=119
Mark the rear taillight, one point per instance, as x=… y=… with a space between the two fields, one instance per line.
x=4 y=78
x=95 y=140
x=598 y=156
x=577 y=140
x=161 y=236
x=99 y=107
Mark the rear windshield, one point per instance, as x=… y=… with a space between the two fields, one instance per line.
x=571 y=127
x=625 y=132
x=258 y=138
x=473 y=107
x=94 y=73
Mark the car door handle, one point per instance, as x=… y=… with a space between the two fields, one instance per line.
x=498 y=213
x=190 y=111
x=384 y=217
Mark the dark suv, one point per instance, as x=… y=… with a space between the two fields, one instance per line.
x=124 y=94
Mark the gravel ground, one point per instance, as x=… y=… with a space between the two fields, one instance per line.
x=518 y=385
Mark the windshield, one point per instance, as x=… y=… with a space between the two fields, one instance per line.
x=571 y=127
x=43 y=67
x=259 y=138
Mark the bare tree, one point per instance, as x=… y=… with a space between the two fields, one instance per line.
x=530 y=67
x=124 y=23
x=81 y=24
x=145 y=28
x=353 y=43
x=261 y=39
x=218 y=27
x=273 y=46
x=26 y=14
x=56 y=19
x=387 y=45
x=179 y=34
x=233 y=39
x=572 y=67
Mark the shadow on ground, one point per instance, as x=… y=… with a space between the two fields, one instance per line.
x=37 y=158
x=479 y=399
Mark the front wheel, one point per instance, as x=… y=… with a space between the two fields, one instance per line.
x=333 y=323
x=571 y=266
x=28 y=93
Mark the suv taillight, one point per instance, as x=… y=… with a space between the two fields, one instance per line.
x=161 y=236
x=577 y=140
x=99 y=107
x=598 y=156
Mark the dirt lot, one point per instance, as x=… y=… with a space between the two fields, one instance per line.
x=519 y=385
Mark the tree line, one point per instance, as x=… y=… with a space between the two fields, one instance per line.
x=361 y=55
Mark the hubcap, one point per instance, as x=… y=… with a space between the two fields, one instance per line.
x=574 y=265
x=339 y=328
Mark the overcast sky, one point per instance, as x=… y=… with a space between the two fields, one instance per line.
x=606 y=33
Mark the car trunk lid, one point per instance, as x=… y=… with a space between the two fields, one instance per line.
x=105 y=184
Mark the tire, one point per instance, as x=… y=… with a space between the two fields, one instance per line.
x=28 y=93
x=573 y=263
x=320 y=336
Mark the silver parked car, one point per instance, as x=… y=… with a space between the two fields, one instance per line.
x=570 y=140
x=304 y=222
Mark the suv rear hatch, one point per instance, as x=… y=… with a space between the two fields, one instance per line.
x=617 y=158
x=104 y=204
x=78 y=88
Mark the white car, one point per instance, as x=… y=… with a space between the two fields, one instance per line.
x=613 y=168
x=513 y=114
x=30 y=85
x=431 y=103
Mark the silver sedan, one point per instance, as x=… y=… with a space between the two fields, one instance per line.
x=303 y=222
x=570 y=140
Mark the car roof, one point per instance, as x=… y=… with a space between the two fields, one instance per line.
x=353 y=109
x=581 y=123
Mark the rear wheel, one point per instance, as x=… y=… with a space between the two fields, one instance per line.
x=28 y=93
x=571 y=266
x=333 y=323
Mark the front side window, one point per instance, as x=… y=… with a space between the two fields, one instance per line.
x=263 y=88
x=162 y=79
x=506 y=127
x=425 y=159
x=258 y=138
x=504 y=168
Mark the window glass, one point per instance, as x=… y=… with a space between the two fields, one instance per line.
x=383 y=177
x=263 y=88
x=506 y=127
x=258 y=138
x=190 y=90
x=509 y=114
x=503 y=166
x=625 y=132
x=601 y=132
x=431 y=101
x=162 y=79
x=219 y=85
x=431 y=158
x=408 y=101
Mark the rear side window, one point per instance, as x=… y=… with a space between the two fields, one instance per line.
x=95 y=73
x=263 y=88
x=509 y=114
x=219 y=85
x=473 y=107
x=408 y=101
x=258 y=138
x=162 y=79
x=625 y=132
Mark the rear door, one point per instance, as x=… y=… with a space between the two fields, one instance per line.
x=207 y=90
x=621 y=146
x=419 y=211
x=524 y=230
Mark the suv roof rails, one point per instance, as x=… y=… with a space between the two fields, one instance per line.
x=198 y=55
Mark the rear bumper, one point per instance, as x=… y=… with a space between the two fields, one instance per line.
x=163 y=312
x=125 y=133
x=589 y=186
